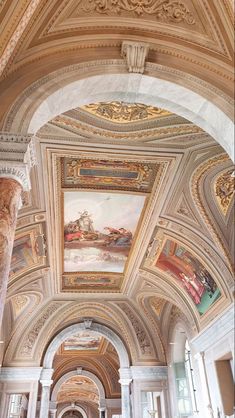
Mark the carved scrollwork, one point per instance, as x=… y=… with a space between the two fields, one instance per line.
x=224 y=189
x=166 y=10
x=33 y=334
x=125 y=112
x=141 y=335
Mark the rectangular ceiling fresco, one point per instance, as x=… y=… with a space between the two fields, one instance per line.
x=103 y=202
x=82 y=342
x=188 y=270
x=99 y=230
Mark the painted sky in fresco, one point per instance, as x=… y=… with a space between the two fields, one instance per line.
x=115 y=209
x=90 y=246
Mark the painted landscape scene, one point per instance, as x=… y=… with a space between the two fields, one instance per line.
x=193 y=276
x=99 y=229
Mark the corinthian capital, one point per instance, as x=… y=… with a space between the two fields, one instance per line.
x=17 y=171
x=18 y=156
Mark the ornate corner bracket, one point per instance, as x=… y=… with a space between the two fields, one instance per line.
x=135 y=54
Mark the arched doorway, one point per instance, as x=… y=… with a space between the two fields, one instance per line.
x=94 y=329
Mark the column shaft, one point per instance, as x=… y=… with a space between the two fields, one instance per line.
x=126 y=405
x=45 y=400
x=10 y=192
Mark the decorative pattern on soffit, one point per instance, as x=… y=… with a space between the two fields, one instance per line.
x=113 y=375
x=27 y=347
x=123 y=112
x=224 y=188
x=195 y=190
x=142 y=337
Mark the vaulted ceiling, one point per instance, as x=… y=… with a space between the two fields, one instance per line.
x=129 y=216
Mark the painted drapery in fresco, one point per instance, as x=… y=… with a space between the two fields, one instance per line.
x=188 y=270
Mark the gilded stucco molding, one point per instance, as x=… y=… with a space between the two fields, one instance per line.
x=224 y=188
x=72 y=125
x=196 y=181
x=122 y=112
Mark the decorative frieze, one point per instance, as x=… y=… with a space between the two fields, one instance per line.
x=33 y=334
x=167 y=11
x=142 y=337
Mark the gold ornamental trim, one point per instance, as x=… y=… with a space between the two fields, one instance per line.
x=122 y=112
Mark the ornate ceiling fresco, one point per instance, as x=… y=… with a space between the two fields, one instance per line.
x=128 y=222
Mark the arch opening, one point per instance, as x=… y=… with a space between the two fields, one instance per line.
x=136 y=88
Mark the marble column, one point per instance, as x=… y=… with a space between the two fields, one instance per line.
x=45 y=398
x=18 y=157
x=126 y=401
x=200 y=357
x=46 y=383
x=10 y=198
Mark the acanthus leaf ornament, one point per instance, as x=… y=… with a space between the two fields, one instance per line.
x=165 y=10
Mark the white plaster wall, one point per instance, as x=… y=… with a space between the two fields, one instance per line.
x=215 y=341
